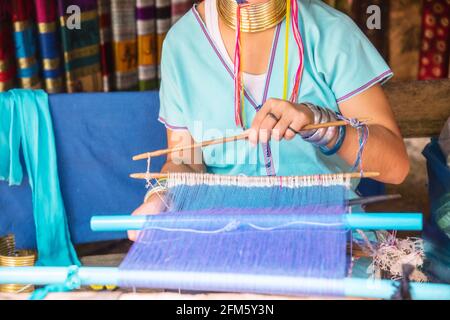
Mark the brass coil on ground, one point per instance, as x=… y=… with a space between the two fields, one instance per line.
x=9 y=257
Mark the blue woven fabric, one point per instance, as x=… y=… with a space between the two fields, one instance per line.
x=311 y=245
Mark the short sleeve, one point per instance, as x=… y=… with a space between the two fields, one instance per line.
x=348 y=61
x=171 y=103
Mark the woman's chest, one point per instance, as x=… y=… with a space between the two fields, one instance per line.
x=254 y=50
x=209 y=101
x=207 y=87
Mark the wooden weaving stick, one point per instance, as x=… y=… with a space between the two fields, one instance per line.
x=242 y=136
x=352 y=175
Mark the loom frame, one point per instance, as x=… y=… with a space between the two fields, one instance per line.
x=197 y=281
x=363 y=221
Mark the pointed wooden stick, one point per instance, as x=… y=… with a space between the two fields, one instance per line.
x=353 y=175
x=374 y=199
x=234 y=138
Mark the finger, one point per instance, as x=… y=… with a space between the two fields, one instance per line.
x=279 y=130
x=289 y=134
x=294 y=127
x=266 y=127
x=270 y=109
x=132 y=235
x=260 y=115
x=264 y=135
x=268 y=106
x=253 y=136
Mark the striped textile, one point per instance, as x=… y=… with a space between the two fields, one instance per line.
x=147 y=53
x=25 y=44
x=435 y=51
x=179 y=8
x=49 y=45
x=7 y=64
x=163 y=23
x=124 y=43
x=81 y=46
x=106 y=52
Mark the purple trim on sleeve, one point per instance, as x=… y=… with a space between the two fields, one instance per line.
x=169 y=126
x=383 y=76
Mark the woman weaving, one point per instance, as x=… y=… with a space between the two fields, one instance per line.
x=204 y=67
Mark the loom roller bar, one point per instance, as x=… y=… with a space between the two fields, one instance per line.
x=224 y=282
x=365 y=221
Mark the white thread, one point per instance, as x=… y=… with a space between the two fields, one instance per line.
x=191 y=179
x=235 y=224
x=320 y=224
x=148 y=183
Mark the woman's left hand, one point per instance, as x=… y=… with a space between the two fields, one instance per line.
x=279 y=119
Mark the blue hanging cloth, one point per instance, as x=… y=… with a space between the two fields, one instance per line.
x=25 y=123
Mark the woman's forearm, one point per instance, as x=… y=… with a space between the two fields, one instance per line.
x=384 y=153
x=184 y=160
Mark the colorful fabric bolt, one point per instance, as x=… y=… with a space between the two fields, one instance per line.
x=25 y=123
x=106 y=53
x=124 y=44
x=435 y=51
x=179 y=8
x=48 y=30
x=7 y=65
x=163 y=23
x=81 y=46
x=26 y=44
x=147 y=52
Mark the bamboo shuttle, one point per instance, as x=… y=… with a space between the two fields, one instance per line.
x=242 y=136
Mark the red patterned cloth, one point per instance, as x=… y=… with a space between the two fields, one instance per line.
x=434 y=54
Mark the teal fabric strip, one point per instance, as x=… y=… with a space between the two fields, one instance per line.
x=25 y=123
x=72 y=282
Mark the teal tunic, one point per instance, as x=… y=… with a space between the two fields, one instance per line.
x=197 y=89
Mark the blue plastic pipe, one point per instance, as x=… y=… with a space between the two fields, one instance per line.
x=224 y=282
x=364 y=221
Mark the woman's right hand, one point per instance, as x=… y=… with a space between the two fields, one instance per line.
x=154 y=205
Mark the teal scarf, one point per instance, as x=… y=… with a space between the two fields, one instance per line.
x=25 y=123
